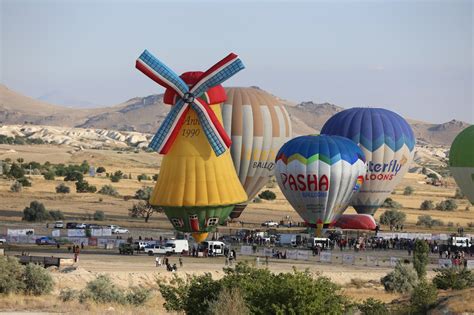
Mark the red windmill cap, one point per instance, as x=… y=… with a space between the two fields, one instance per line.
x=214 y=95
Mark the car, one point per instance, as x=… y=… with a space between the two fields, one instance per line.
x=81 y=226
x=120 y=230
x=270 y=224
x=45 y=240
x=93 y=226
x=158 y=250
x=71 y=225
x=59 y=225
x=125 y=248
x=3 y=241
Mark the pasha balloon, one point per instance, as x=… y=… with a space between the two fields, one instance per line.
x=258 y=125
x=388 y=143
x=461 y=161
x=197 y=186
x=318 y=175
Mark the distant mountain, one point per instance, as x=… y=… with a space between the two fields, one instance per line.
x=63 y=99
x=144 y=114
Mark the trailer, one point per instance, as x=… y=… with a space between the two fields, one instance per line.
x=45 y=261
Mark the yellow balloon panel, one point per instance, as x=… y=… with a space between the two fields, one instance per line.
x=192 y=175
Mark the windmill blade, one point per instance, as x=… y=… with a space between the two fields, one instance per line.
x=218 y=73
x=160 y=73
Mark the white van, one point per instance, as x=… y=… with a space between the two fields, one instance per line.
x=178 y=245
x=318 y=242
x=461 y=241
x=214 y=247
x=286 y=240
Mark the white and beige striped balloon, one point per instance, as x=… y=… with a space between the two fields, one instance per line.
x=258 y=125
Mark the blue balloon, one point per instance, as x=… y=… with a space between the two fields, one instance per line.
x=388 y=143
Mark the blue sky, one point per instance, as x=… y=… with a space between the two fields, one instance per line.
x=414 y=57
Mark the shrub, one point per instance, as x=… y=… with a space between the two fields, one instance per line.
x=137 y=296
x=141 y=177
x=143 y=193
x=421 y=252
x=267 y=195
x=425 y=220
x=447 y=205
x=56 y=215
x=16 y=187
x=392 y=217
x=155 y=177
x=229 y=302
x=408 y=191
x=391 y=204
x=74 y=176
x=24 y=182
x=99 y=215
x=63 y=189
x=402 y=279
x=16 y=171
x=424 y=296
x=372 y=306
x=37 y=280
x=68 y=294
x=116 y=177
x=453 y=278
x=49 y=175
x=427 y=205
x=108 y=190
x=102 y=290
x=36 y=212
x=10 y=275
x=84 y=187
x=100 y=170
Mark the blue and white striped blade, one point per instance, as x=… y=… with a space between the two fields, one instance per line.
x=163 y=133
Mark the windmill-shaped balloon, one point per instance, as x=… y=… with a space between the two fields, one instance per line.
x=197 y=186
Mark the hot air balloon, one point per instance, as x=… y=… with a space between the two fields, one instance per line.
x=198 y=185
x=461 y=161
x=356 y=222
x=318 y=175
x=388 y=143
x=258 y=125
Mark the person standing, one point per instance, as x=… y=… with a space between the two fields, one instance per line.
x=158 y=261
x=181 y=262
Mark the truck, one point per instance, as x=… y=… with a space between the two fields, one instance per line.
x=215 y=248
x=178 y=246
x=158 y=250
x=2 y=241
x=286 y=240
x=126 y=248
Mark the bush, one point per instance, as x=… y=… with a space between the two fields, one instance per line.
x=138 y=296
x=99 y=215
x=402 y=279
x=373 y=307
x=37 y=280
x=143 y=193
x=453 y=278
x=263 y=291
x=391 y=204
x=408 y=191
x=424 y=296
x=102 y=290
x=63 y=189
x=74 y=176
x=84 y=187
x=24 y=182
x=421 y=252
x=16 y=171
x=447 y=205
x=49 y=175
x=16 y=187
x=36 y=212
x=267 y=195
x=229 y=302
x=116 y=177
x=425 y=220
x=10 y=275
x=109 y=190
x=142 y=177
x=100 y=170
x=56 y=215
x=155 y=177
x=392 y=217
x=68 y=294
x=427 y=205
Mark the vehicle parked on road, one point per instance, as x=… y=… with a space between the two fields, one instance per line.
x=59 y=225
x=71 y=225
x=460 y=241
x=178 y=246
x=119 y=230
x=2 y=241
x=270 y=224
x=125 y=248
x=215 y=248
x=81 y=226
x=286 y=240
x=93 y=226
x=45 y=240
x=321 y=242
x=158 y=250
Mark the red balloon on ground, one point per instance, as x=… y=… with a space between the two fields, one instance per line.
x=356 y=222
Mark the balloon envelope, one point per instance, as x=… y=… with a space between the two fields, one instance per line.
x=388 y=143
x=356 y=222
x=461 y=161
x=258 y=125
x=318 y=175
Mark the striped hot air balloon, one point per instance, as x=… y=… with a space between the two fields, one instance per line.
x=258 y=125
x=461 y=161
x=388 y=143
x=318 y=176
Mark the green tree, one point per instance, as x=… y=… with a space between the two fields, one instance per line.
x=424 y=296
x=62 y=189
x=143 y=209
x=402 y=279
x=421 y=252
x=49 y=175
x=73 y=176
x=24 y=182
x=100 y=170
x=116 y=177
x=408 y=191
x=99 y=215
x=16 y=171
x=56 y=214
x=393 y=217
x=84 y=187
x=427 y=205
x=11 y=273
x=37 y=280
x=108 y=190
x=453 y=278
x=155 y=177
x=144 y=193
x=16 y=187
x=141 y=177
x=391 y=204
x=372 y=306
x=447 y=205
x=36 y=212
x=267 y=195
